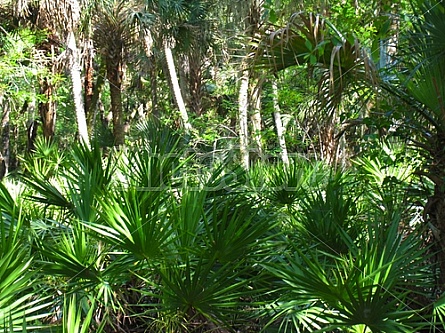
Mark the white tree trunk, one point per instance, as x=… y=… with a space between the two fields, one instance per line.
x=279 y=124
x=74 y=68
x=176 y=89
x=243 y=103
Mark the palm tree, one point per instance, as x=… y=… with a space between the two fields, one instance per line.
x=418 y=84
x=122 y=25
x=337 y=58
x=179 y=26
x=423 y=93
x=114 y=32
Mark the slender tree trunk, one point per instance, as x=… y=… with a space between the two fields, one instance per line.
x=47 y=108
x=252 y=21
x=4 y=132
x=88 y=80
x=154 y=86
x=176 y=89
x=97 y=88
x=256 y=115
x=148 y=47
x=183 y=75
x=195 y=81
x=32 y=126
x=243 y=105
x=114 y=77
x=279 y=124
x=74 y=68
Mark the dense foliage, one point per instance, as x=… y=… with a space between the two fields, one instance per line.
x=245 y=166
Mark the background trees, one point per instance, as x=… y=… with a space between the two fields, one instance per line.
x=279 y=168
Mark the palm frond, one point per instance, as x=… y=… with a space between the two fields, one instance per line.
x=74 y=321
x=324 y=216
x=134 y=220
x=376 y=284
x=19 y=304
x=310 y=39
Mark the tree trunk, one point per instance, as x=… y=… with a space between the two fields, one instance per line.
x=32 y=126
x=252 y=23
x=243 y=104
x=97 y=88
x=88 y=81
x=4 y=132
x=183 y=75
x=114 y=77
x=74 y=68
x=434 y=211
x=279 y=124
x=176 y=89
x=148 y=47
x=47 y=108
x=195 y=81
x=435 y=215
x=154 y=86
x=256 y=115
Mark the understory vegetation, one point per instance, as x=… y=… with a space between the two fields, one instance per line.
x=150 y=240
x=222 y=166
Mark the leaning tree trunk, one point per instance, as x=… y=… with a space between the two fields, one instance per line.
x=176 y=88
x=279 y=124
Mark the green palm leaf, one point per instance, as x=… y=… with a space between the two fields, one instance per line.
x=134 y=220
x=19 y=304
x=374 y=285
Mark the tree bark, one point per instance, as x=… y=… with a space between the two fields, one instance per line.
x=88 y=81
x=252 y=23
x=176 y=89
x=279 y=124
x=97 y=88
x=154 y=86
x=243 y=104
x=256 y=115
x=74 y=68
x=5 y=148
x=195 y=81
x=47 y=108
x=114 y=77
